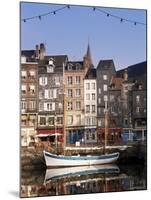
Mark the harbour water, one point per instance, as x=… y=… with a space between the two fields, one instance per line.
x=83 y=180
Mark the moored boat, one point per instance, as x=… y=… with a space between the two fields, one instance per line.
x=64 y=161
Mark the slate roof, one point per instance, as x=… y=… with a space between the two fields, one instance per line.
x=105 y=65
x=58 y=61
x=91 y=74
x=74 y=65
x=28 y=53
x=134 y=71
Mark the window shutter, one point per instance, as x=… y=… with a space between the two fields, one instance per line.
x=40 y=81
x=45 y=106
x=45 y=80
x=46 y=94
x=53 y=106
x=54 y=93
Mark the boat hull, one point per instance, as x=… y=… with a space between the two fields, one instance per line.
x=64 y=161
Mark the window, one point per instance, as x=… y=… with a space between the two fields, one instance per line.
x=77 y=79
x=70 y=119
x=57 y=81
x=70 y=106
x=50 y=94
x=87 y=108
x=49 y=106
x=99 y=122
x=137 y=109
x=32 y=74
x=111 y=97
x=87 y=96
x=50 y=120
x=93 y=121
x=104 y=77
x=99 y=110
x=60 y=105
x=105 y=87
x=41 y=95
x=78 y=105
x=88 y=121
x=59 y=120
x=43 y=81
x=93 y=86
x=41 y=106
x=105 y=98
x=99 y=100
x=78 y=119
x=32 y=89
x=23 y=105
x=93 y=108
x=99 y=90
x=87 y=86
x=93 y=96
x=23 y=89
x=78 y=92
x=126 y=122
x=69 y=92
x=42 y=121
x=69 y=80
x=137 y=98
x=93 y=136
x=50 y=69
x=23 y=74
x=32 y=105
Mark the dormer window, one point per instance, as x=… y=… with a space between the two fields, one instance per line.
x=50 y=69
x=70 y=66
x=78 y=66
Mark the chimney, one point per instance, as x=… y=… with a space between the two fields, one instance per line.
x=37 y=51
x=125 y=75
x=42 y=51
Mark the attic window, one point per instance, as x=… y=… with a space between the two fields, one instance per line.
x=78 y=66
x=51 y=61
x=70 y=66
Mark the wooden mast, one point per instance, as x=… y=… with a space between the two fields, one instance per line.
x=106 y=127
x=64 y=112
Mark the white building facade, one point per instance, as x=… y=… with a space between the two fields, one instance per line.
x=90 y=110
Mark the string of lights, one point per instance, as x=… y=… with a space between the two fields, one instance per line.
x=54 y=12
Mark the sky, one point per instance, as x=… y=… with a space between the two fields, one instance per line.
x=69 y=31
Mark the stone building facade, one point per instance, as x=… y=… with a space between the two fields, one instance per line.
x=51 y=98
x=29 y=68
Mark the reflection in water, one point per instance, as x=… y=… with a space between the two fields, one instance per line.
x=84 y=180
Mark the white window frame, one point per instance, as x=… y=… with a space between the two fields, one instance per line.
x=105 y=88
x=104 y=77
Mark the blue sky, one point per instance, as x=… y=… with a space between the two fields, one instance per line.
x=69 y=30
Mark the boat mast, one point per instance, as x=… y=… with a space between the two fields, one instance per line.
x=64 y=111
x=106 y=127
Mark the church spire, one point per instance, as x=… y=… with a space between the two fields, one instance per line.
x=88 y=57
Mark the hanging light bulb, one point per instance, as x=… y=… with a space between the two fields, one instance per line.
x=68 y=6
x=39 y=17
x=108 y=15
x=94 y=8
x=121 y=20
x=24 y=20
x=135 y=23
x=54 y=12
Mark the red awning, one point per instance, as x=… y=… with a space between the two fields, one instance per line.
x=49 y=131
x=110 y=129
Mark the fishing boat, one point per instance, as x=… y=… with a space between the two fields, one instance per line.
x=59 y=173
x=64 y=161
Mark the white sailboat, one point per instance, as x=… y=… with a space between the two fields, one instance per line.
x=64 y=161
